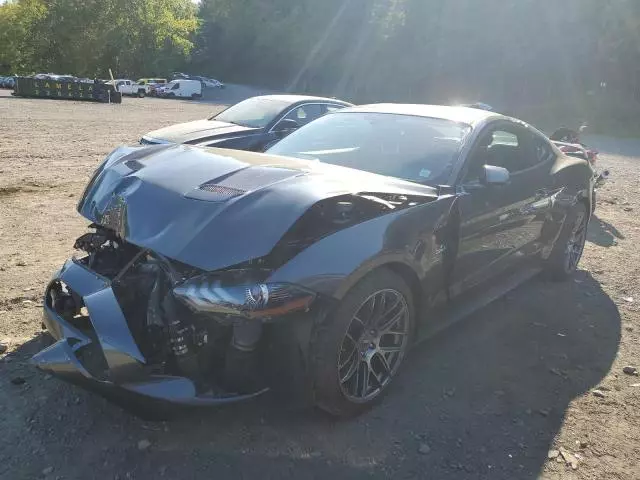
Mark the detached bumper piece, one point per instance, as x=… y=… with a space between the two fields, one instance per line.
x=95 y=347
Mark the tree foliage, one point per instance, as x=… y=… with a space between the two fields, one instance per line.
x=506 y=52
x=87 y=37
x=424 y=50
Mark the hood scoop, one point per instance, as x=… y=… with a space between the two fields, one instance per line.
x=238 y=183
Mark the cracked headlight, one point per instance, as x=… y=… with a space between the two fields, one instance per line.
x=211 y=294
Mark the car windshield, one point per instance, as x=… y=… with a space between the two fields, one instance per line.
x=256 y=112
x=418 y=149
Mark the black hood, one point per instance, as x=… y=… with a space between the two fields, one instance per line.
x=214 y=208
x=198 y=130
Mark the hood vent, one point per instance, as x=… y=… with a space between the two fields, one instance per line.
x=219 y=193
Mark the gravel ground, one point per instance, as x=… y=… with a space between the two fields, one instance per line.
x=530 y=387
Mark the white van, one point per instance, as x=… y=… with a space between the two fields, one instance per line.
x=181 y=88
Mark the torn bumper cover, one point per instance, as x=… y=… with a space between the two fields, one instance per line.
x=97 y=350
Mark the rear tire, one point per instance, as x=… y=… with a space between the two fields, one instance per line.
x=567 y=251
x=141 y=93
x=358 y=349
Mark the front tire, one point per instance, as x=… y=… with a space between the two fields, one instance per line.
x=358 y=349
x=567 y=251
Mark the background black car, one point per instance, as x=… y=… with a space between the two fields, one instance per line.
x=253 y=124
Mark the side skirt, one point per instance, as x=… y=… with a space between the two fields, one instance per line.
x=466 y=304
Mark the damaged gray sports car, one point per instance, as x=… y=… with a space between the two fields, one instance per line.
x=211 y=276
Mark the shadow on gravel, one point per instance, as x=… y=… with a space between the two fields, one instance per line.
x=483 y=399
x=602 y=233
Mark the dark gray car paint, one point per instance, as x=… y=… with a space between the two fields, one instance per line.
x=148 y=196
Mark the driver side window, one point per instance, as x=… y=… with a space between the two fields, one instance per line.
x=501 y=146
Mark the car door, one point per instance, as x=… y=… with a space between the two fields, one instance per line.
x=500 y=225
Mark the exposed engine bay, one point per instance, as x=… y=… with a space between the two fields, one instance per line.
x=212 y=347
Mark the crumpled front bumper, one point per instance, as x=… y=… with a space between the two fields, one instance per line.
x=103 y=355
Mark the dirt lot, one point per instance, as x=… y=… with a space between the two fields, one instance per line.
x=489 y=398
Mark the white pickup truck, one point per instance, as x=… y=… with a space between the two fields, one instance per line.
x=129 y=87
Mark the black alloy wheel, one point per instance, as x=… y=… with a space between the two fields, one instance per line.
x=358 y=349
x=374 y=345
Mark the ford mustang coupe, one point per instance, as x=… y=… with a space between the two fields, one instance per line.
x=211 y=276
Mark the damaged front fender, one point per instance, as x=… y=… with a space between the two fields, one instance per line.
x=334 y=264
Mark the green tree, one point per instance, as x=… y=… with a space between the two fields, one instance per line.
x=17 y=41
x=87 y=37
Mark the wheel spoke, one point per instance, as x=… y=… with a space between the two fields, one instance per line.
x=364 y=378
x=389 y=324
x=372 y=311
x=383 y=376
x=391 y=349
x=373 y=345
x=357 y=319
x=380 y=377
x=352 y=369
x=382 y=319
x=377 y=309
x=384 y=363
x=348 y=357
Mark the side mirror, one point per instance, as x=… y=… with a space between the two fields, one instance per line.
x=286 y=126
x=495 y=175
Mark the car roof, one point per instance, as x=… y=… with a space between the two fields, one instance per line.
x=470 y=116
x=303 y=98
